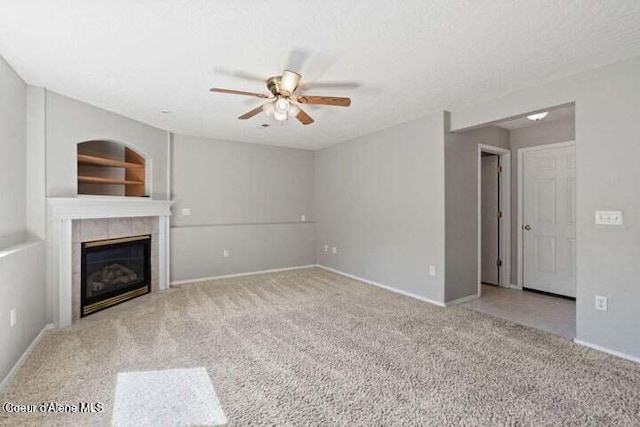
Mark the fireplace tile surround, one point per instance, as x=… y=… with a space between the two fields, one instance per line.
x=87 y=230
x=72 y=220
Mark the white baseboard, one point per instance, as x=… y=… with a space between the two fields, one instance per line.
x=5 y=382
x=380 y=285
x=251 y=273
x=606 y=350
x=461 y=300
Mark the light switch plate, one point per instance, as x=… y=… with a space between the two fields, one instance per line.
x=12 y=317
x=186 y=211
x=225 y=253
x=326 y=248
x=609 y=217
x=602 y=303
x=334 y=250
x=432 y=270
x=303 y=218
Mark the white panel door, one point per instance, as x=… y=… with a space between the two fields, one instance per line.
x=489 y=234
x=549 y=220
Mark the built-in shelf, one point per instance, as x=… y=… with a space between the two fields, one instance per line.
x=110 y=181
x=86 y=159
x=105 y=166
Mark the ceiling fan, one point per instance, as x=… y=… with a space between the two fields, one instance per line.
x=284 y=101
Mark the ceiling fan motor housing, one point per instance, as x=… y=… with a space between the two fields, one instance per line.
x=285 y=84
x=273 y=84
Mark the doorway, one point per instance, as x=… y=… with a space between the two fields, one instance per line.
x=525 y=293
x=547 y=219
x=494 y=224
x=491 y=218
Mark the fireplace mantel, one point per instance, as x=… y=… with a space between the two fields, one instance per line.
x=106 y=207
x=63 y=210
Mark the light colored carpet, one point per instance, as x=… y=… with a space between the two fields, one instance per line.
x=309 y=347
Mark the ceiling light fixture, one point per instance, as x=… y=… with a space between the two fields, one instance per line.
x=281 y=117
x=283 y=99
x=282 y=106
x=165 y=111
x=289 y=82
x=281 y=109
x=538 y=116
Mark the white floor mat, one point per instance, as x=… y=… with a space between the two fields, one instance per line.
x=174 y=397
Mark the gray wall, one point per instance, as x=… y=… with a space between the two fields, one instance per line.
x=246 y=198
x=461 y=185
x=69 y=122
x=12 y=155
x=22 y=286
x=538 y=134
x=21 y=257
x=36 y=162
x=607 y=137
x=380 y=201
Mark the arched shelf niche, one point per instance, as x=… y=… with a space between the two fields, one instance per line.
x=109 y=168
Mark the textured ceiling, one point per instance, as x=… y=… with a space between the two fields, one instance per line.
x=410 y=58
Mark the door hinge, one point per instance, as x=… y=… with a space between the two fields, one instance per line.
x=499 y=214
x=499 y=263
x=499 y=169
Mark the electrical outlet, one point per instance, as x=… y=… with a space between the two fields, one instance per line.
x=602 y=303
x=303 y=218
x=225 y=253
x=186 y=211
x=12 y=317
x=432 y=270
x=334 y=250
x=326 y=248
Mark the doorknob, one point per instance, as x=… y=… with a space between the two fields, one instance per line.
x=527 y=227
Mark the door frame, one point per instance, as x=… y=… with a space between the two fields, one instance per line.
x=520 y=243
x=504 y=279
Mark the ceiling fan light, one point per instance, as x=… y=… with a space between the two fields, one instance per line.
x=289 y=81
x=282 y=105
x=538 y=116
x=281 y=117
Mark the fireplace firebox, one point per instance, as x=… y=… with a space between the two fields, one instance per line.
x=114 y=271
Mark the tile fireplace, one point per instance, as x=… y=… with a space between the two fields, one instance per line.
x=73 y=221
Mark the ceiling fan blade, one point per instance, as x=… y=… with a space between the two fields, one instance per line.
x=297 y=59
x=304 y=118
x=239 y=74
x=238 y=92
x=325 y=100
x=329 y=85
x=251 y=113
